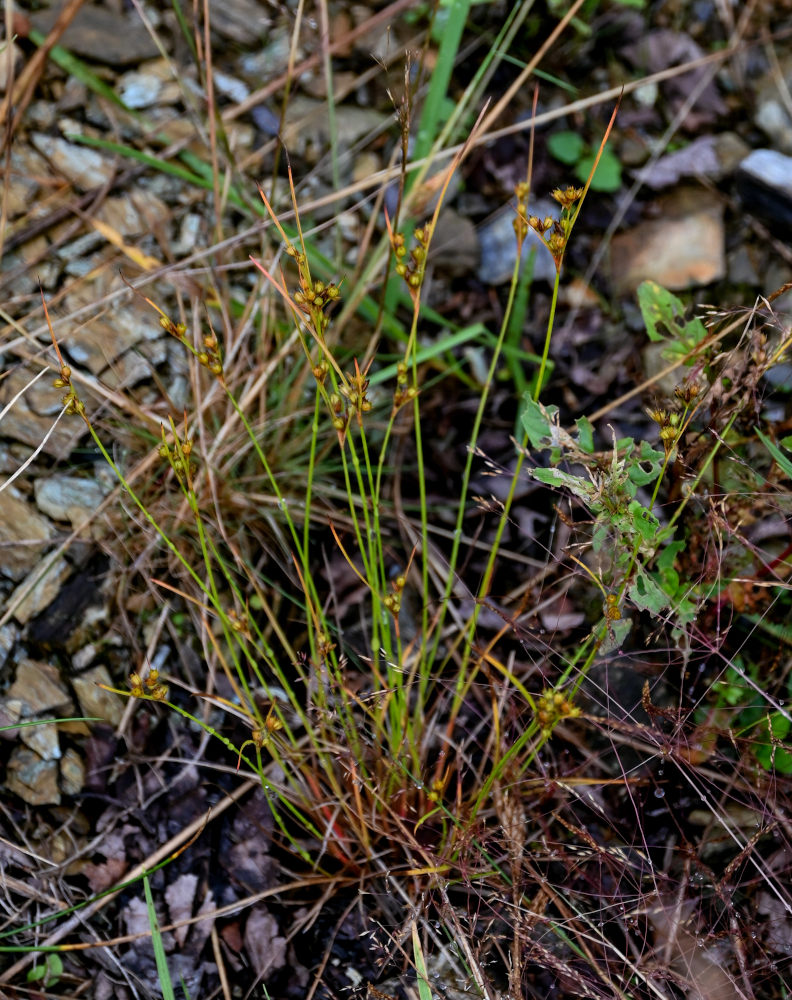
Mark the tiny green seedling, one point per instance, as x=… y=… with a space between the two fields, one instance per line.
x=572 y=150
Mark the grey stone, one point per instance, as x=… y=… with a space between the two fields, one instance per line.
x=682 y=248
x=498 y=246
x=24 y=535
x=99 y=33
x=68 y=498
x=85 y=168
x=38 y=590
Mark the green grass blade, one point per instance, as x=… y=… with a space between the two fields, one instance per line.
x=431 y=116
x=159 y=948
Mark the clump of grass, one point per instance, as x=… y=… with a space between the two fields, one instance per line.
x=500 y=781
x=418 y=760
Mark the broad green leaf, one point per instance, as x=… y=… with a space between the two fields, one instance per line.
x=770 y=757
x=639 y=474
x=582 y=488
x=585 y=434
x=647 y=595
x=566 y=146
x=608 y=175
x=537 y=422
x=664 y=317
x=615 y=636
x=644 y=521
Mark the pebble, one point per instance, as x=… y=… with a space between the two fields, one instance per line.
x=10 y=59
x=72 y=773
x=39 y=689
x=455 y=244
x=94 y=701
x=306 y=130
x=682 y=248
x=30 y=420
x=764 y=183
x=24 y=534
x=38 y=590
x=772 y=112
x=102 y=35
x=711 y=156
x=68 y=498
x=32 y=778
x=243 y=21
x=139 y=90
x=498 y=246
x=85 y=168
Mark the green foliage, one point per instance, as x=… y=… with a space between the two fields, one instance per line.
x=572 y=150
x=739 y=689
x=623 y=525
x=784 y=463
x=48 y=972
x=772 y=757
x=159 y=949
x=664 y=316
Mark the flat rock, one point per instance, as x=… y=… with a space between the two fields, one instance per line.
x=30 y=419
x=39 y=689
x=682 y=248
x=711 y=156
x=68 y=498
x=243 y=21
x=764 y=182
x=24 y=534
x=307 y=130
x=772 y=112
x=38 y=590
x=33 y=779
x=94 y=701
x=455 y=244
x=102 y=35
x=72 y=773
x=83 y=167
x=42 y=739
x=98 y=344
x=498 y=246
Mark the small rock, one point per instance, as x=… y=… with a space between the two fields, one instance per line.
x=85 y=168
x=243 y=21
x=42 y=739
x=455 y=244
x=498 y=246
x=682 y=248
x=139 y=90
x=764 y=182
x=772 y=114
x=39 y=689
x=306 y=129
x=94 y=701
x=30 y=421
x=27 y=167
x=68 y=498
x=24 y=534
x=743 y=266
x=72 y=772
x=711 y=156
x=9 y=636
x=39 y=590
x=99 y=344
x=230 y=87
x=10 y=60
x=10 y=714
x=34 y=780
x=101 y=34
